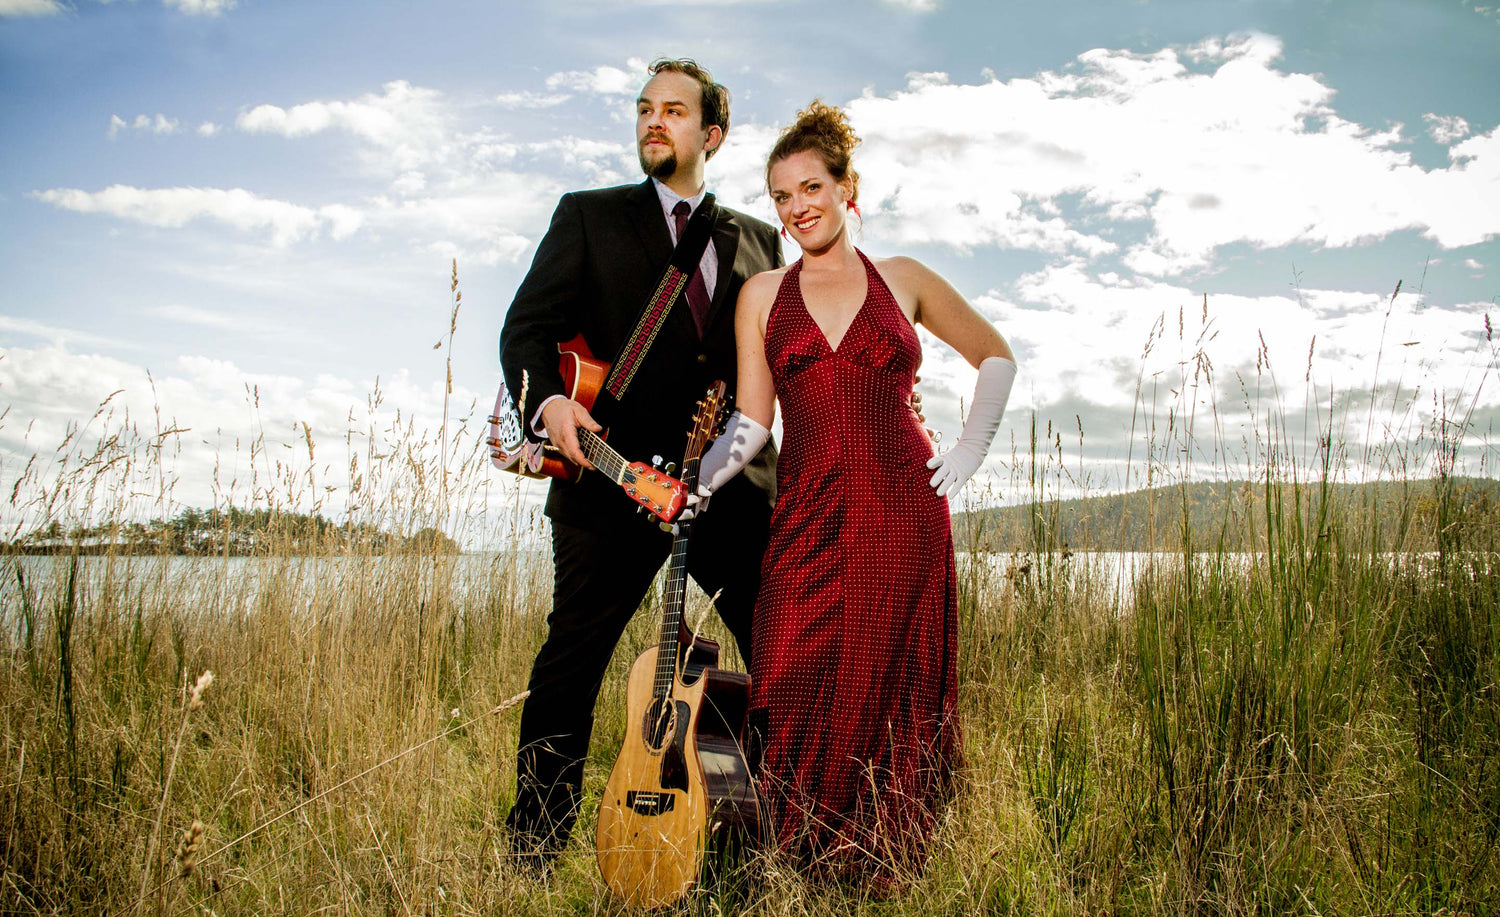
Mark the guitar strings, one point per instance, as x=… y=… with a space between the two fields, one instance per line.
x=671 y=624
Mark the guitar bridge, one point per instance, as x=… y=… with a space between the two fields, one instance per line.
x=649 y=802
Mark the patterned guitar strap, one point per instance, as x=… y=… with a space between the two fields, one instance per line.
x=673 y=285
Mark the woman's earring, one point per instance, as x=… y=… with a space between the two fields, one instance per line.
x=784 y=235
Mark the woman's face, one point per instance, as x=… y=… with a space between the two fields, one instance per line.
x=810 y=203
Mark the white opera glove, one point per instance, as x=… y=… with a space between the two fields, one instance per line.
x=991 y=392
x=740 y=442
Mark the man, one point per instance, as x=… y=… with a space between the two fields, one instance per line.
x=598 y=264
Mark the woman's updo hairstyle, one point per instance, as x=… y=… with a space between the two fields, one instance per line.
x=825 y=130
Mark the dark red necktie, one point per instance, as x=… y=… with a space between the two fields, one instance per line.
x=697 y=291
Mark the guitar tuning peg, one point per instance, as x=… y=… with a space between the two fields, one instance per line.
x=656 y=462
x=671 y=468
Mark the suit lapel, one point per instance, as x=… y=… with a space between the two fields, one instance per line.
x=726 y=241
x=650 y=225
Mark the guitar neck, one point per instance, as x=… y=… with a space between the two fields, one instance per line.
x=610 y=463
x=674 y=596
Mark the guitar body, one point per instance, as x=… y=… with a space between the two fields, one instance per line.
x=680 y=791
x=583 y=378
x=653 y=813
x=680 y=797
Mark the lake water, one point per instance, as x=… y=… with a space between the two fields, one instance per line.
x=233 y=585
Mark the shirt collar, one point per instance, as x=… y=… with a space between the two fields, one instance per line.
x=669 y=198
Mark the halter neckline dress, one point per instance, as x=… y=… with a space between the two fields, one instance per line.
x=855 y=628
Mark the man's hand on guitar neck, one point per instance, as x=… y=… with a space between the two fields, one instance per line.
x=562 y=417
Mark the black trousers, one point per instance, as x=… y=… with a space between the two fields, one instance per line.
x=600 y=580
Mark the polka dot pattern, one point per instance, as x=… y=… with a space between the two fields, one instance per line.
x=855 y=629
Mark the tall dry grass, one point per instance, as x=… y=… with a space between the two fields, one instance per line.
x=1312 y=726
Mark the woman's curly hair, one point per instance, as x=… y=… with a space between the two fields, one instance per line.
x=825 y=130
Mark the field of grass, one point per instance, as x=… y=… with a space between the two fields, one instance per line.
x=1312 y=727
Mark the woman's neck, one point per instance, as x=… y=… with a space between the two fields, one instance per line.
x=838 y=255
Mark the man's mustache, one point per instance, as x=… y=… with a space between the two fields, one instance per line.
x=652 y=136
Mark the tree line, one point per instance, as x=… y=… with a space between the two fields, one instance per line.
x=1232 y=515
x=231 y=532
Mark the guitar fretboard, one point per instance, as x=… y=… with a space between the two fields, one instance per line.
x=609 y=462
x=673 y=597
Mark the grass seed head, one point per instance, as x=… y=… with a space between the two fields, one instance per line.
x=204 y=680
x=187 y=849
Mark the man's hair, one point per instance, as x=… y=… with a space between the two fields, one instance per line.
x=715 y=102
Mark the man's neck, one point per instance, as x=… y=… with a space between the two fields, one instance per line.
x=686 y=182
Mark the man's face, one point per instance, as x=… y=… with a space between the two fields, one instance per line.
x=669 y=127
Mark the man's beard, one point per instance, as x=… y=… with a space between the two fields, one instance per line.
x=662 y=169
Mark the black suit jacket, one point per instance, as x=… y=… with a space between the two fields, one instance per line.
x=601 y=258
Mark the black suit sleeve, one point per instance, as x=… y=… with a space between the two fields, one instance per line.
x=544 y=312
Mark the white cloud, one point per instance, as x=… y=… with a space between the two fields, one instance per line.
x=197 y=315
x=160 y=124
x=238 y=435
x=380 y=119
x=637 y=3
x=463 y=194
x=56 y=335
x=208 y=129
x=598 y=162
x=1446 y=128
x=342 y=221
x=1086 y=341
x=202 y=7
x=407 y=126
x=485 y=223
x=916 y=6
x=236 y=207
x=531 y=99
x=30 y=8
x=1204 y=147
x=409 y=183
x=1076 y=332
x=472 y=194
x=737 y=173
x=1472 y=264
x=605 y=80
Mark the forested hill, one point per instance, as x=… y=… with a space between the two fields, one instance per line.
x=1236 y=515
x=233 y=532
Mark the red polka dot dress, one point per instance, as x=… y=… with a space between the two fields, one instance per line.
x=855 y=631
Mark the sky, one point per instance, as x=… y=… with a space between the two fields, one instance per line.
x=233 y=223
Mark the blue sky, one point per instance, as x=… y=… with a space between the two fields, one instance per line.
x=268 y=195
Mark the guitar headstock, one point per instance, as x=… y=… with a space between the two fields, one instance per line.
x=655 y=490
x=707 y=422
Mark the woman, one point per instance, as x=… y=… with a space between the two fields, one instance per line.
x=855 y=630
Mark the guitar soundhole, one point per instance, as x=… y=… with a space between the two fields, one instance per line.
x=661 y=723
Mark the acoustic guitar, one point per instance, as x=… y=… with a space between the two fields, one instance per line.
x=680 y=796
x=583 y=377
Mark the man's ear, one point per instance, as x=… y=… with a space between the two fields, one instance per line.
x=714 y=140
